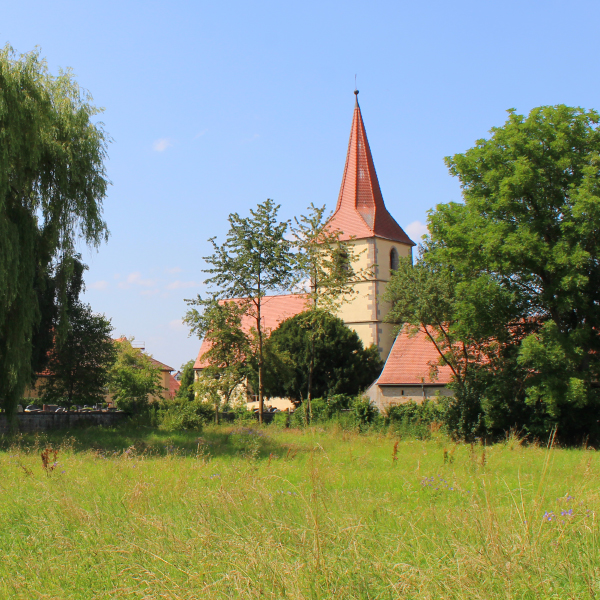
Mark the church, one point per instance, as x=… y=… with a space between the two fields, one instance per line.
x=410 y=371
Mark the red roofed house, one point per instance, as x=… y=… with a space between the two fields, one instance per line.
x=378 y=240
x=412 y=372
x=168 y=383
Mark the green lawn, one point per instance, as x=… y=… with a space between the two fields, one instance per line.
x=266 y=513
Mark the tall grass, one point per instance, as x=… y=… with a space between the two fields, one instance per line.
x=248 y=512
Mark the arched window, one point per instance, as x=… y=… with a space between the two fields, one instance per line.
x=394 y=260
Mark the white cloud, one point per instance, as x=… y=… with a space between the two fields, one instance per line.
x=200 y=134
x=135 y=278
x=149 y=292
x=176 y=324
x=174 y=270
x=98 y=285
x=182 y=285
x=162 y=144
x=416 y=230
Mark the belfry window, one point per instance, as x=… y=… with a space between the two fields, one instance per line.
x=394 y=260
x=342 y=260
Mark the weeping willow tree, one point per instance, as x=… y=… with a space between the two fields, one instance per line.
x=52 y=184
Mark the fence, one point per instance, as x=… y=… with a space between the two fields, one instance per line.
x=47 y=421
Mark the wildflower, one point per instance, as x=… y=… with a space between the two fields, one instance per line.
x=567 y=513
x=549 y=516
x=62 y=471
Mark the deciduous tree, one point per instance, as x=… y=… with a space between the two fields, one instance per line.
x=79 y=365
x=256 y=259
x=134 y=379
x=341 y=364
x=523 y=254
x=225 y=363
x=52 y=183
x=186 y=388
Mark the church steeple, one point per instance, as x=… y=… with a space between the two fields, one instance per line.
x=360 y=210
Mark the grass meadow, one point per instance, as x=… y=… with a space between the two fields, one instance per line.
x=249 y=512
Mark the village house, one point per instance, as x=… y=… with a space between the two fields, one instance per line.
x=169 y=385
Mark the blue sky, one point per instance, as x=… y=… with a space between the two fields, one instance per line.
x=216 y=106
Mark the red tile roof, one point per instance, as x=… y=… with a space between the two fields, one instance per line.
x=274 y=310
x=174 y=386
x=160 y=365
x=411 y=362
x=360 y=210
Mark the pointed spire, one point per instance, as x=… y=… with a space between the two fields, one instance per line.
x=360 y=210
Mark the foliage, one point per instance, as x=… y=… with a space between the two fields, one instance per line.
x=255 y=259
x=225 y=361
x=65 y=279
x=364 y=411
x=134 y=379
x=52 y=183
x=415 y=419
x=324 y=264
x=186 y=389
x=520 y=254
x=342 y=365
x=79 y=365
x=183 y=414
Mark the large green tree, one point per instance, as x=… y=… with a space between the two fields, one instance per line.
x=341 y=364
x=255 y=260
x=522 y=250
x=52 y=183
x=79 y=365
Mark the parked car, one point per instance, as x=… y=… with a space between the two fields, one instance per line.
x=33 y=408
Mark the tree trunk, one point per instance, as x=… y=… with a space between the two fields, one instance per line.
x=311 y=368
x=260 y=366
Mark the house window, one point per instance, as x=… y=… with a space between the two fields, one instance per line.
x=394 y=260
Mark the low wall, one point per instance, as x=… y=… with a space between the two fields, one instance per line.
x=48 y=421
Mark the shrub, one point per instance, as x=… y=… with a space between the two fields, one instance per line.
x=177 y=416
x=346 y=411
x=415 y=419
x=364 y=412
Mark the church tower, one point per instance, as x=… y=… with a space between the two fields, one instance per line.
x=362 y=217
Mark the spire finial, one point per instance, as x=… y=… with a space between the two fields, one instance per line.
x=355 y=90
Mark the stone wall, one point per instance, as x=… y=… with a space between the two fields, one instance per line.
x=47 y=421
x=390 y=395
